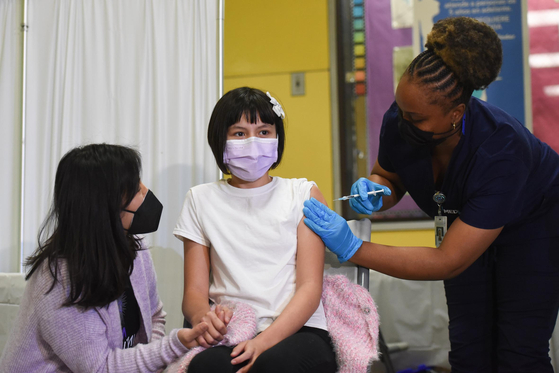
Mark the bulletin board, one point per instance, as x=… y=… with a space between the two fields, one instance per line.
x=389 y=51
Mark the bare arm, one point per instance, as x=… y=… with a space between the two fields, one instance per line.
x=196 y=281
x=380 y=176
x=308 y=290
x=461 y=246
x=195 y=301
x=309 y=270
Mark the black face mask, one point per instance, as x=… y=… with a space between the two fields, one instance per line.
x=147 y=216
x=418 y=138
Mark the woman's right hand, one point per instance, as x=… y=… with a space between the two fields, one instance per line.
x=217 y=321
x=367 y=203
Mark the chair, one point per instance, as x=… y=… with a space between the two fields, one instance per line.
x=360 y=275
x=12 y=286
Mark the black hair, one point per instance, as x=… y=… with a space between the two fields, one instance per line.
x=462 y=54
x=253 y=104
x=84 y=229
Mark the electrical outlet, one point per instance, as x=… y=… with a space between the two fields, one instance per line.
x=297 y=84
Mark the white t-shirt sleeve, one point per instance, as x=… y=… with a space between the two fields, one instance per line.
x=189 y=225
x=307 y=186
x=302 y=191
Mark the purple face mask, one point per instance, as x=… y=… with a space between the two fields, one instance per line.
x=249 y=159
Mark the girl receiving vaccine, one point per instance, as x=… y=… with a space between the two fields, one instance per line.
x=245 y=242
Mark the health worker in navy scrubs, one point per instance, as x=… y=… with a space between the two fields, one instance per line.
x=493 y=190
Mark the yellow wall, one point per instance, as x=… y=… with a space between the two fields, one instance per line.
x=280 y=36
x=405 y=238
x=265 y=41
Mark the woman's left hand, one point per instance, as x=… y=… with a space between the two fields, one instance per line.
x=247 y=350
x=332 y=229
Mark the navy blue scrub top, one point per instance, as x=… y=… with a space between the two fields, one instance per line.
x=499 y=174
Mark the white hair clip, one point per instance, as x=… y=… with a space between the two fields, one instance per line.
x=276 y=106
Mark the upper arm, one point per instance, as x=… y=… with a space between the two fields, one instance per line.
x=494 y=191
x=463 y=244
x=146 y=260
x=157 y=313
x=196 y=269
x=310 y=250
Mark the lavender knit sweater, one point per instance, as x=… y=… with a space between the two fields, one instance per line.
x=51 y=338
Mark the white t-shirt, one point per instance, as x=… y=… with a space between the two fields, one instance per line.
x=252 y=236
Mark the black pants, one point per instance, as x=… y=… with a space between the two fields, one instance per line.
x=503 y=309
x=307 y=351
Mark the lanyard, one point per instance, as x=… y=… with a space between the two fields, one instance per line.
x=440 y=221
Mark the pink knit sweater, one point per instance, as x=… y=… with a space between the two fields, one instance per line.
x=351 y=316
x=353 y=323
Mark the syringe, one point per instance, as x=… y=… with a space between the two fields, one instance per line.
x=373 y=192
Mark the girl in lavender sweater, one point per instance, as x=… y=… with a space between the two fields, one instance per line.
x=91 y=302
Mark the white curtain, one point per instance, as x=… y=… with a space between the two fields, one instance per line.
x=141 y=73
x=10 y=133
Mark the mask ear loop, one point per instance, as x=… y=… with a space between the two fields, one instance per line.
x=134 y=212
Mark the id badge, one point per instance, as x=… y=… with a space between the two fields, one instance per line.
x=440 y=229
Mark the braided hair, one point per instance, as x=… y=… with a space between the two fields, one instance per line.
x=462 y=55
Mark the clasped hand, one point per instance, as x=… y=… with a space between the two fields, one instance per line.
x=217 y=321
x=332 y=229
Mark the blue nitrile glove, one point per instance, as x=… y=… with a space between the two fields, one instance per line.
x=367 y=203
x=332 y=228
